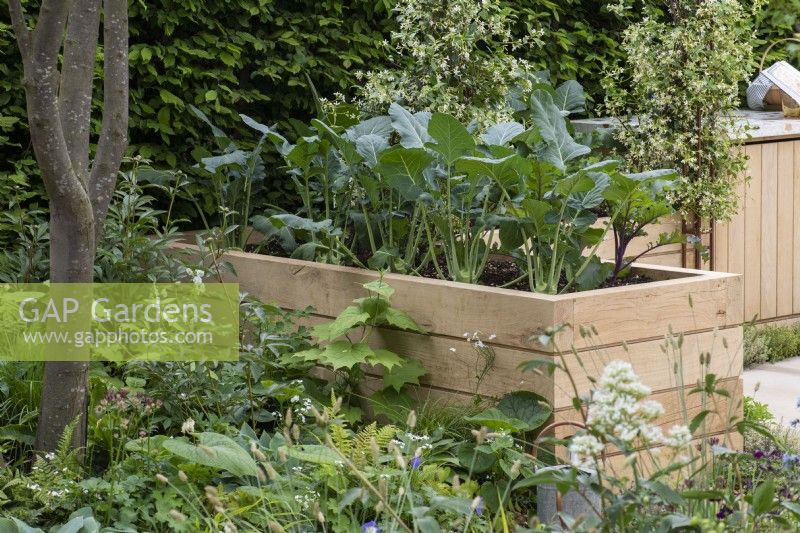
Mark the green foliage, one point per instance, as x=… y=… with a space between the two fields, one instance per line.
x=770 y=344
x=756 y=412
x=417 y=192
x=454 y=57
x=225 y=57
x=346 y=357
x=680 y=84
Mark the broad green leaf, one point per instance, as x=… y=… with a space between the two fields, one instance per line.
x=502 y=133
x=407 y=373
x=370 y=148
x=224 y=453
x=237 y=157
x=399 y=319
x=386 y=358
x=15 y=525
x=351 y=317
x=560 y=147
x=505 y=171
x=346 y=148
x=496 y=420
x=391 y=403
x=569 y=97
x=793 y=507
x=345 y=354
x=299 y=223
x=527 y=406
x=478 y=461
x=595 y=273
x=452 y=138
x=413 y=133
x=380 y=126
x=312 y=453
x=764 y=498
x=169 y=98
x=402 y=169
x=380 y=287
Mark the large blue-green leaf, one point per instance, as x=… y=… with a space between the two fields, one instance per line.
x=569 y=97
x=312 y=453
x=506 y=171
x=412 y=128
x=526 y=406
x=502 y=133
x=594 y=196
x=380 y=126
x=370 y=147
x=452 y=139
x=402 y=169
x=219 y=452
x=346 y=148
x=559 y=146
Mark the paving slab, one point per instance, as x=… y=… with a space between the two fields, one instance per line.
x=778 y=386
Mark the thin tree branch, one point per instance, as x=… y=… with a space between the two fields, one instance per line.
x=114 y=131
x=49 y=32
x=20 y=27
x=77 y=71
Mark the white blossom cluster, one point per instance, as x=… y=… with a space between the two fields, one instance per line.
x=680 y=88
x=441 y=66
x=620 y=413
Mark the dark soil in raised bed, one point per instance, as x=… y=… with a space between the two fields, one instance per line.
x=499 y=272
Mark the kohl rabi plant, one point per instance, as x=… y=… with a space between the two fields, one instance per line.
x=421 y=193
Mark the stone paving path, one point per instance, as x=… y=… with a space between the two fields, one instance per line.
x=779 y=387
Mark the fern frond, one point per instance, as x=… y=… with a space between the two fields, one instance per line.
x=342 y=439
x=385 y=436
x=64 y=450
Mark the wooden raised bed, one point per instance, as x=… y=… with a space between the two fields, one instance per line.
x=762 y=242
x=631 y=324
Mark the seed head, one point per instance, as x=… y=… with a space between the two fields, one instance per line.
x=177 y=515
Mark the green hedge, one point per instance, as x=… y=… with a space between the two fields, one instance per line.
x=252 y=56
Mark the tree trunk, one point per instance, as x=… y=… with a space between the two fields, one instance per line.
x=59 y=105
x=65 y=383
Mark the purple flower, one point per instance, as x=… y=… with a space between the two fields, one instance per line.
x=789 y=460
x=758 y=454
x=370 y=527
x=415 y=462
x=723 y=512
x=479 y=506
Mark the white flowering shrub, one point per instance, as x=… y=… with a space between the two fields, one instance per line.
x=681 y=84
x=452 y=56
x=620 y=414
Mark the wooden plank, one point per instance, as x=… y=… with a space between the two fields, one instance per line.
x=659 y=363
x=626 y=313
x=736 y=232
x=752 y=236
x=796 y=236
x=785 y=229
x=443 y=307
x=769 y=230
x=720 y=251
